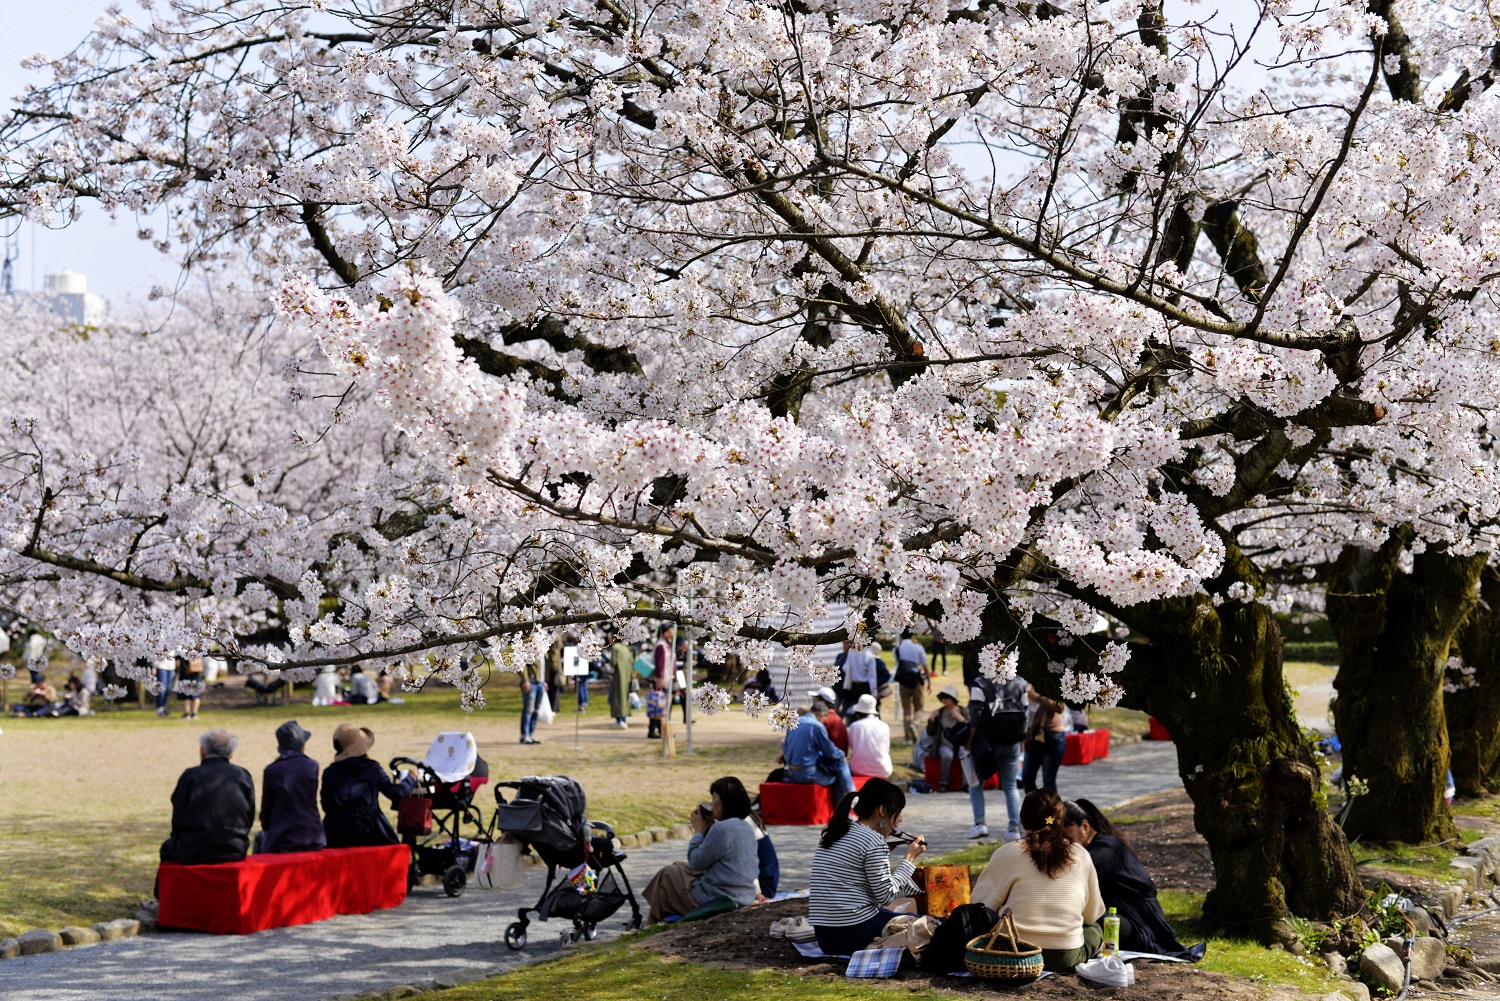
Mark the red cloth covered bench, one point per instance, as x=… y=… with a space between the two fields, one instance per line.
x=1157 y=731
x=799 y=804
x=932 y=766
x=274 y=891
x=1086 y=746
x=860 y=780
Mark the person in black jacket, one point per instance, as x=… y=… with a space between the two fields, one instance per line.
x=352 y=787
x=1125 y=885
x=213 y=806
x=289 y=820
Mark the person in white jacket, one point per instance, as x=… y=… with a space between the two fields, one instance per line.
x=869 y=741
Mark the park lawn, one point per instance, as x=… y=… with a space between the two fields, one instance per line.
x=85 y=803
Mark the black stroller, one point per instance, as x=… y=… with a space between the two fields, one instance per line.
x=547 y=816
x=431 y=820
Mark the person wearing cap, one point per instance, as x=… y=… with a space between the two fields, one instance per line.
x=869 y=741
x=824 y=704
x=947 y=728
x=352 y=787
x=289 y=820
x=809 y=757
x=213 y=806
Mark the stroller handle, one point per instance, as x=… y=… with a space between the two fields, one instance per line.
x=425 y=774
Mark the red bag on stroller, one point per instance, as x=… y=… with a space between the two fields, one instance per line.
x=414 y=816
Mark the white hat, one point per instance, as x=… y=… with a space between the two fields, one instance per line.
x=826 y=694
x=866 y=705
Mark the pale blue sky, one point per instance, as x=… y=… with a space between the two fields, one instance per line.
x=108 y=253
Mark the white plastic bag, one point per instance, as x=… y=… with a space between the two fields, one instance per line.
x=1112 y=971
x=544 y=713
x=498 y=866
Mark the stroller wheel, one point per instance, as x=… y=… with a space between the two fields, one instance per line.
x=515 y=936
x=590 y=931
x=454 y=880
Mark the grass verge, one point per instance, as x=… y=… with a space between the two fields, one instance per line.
x=1245 y=959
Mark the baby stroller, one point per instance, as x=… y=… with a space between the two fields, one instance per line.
x=547 y=816
x=431 y=820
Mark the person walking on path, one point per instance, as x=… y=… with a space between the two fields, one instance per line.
x=289 y=820
x=1046 y=741
x=622 y=662
x=914 y=680
x=166 y=672
x=533 y=691
x=664 y=662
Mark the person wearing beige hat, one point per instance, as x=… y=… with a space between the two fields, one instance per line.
x=352 y=787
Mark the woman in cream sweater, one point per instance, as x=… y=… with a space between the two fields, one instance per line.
x=1049 y=884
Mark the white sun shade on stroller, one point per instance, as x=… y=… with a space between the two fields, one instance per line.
x=452 y=756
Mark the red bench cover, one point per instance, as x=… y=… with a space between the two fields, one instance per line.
x=1086 y=746
x=860 y=780
x=1157 y=731
x=274 y=891
x=795 y=803
x=956 y=783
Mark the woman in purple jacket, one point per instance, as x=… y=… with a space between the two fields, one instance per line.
x=289 y=818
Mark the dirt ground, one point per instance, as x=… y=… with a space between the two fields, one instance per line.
x=1160 y=830
x=739 y=940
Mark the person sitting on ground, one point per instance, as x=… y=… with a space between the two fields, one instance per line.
x=810 y=758
x=326 y=688
x=948 y=727
x=363 y=691
x=869 y=741
x=852 y=881
x=263 y=686
x=1125 y=885
x=289 y=820
x=39 y=697
x=721 y=857
x=213 y=806
x=75 y=700
x=1048 y=882
x=824 y=707
x=352 y=787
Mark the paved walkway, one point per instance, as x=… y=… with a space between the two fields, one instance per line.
x=431 y=935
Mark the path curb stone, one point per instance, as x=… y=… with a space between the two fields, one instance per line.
x=39 y=940
x=113 y=931
x=9 y=948
x=75 y=935
x=1381 y=968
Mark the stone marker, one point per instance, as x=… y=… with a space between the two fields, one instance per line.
x=39 y=940
x=1381 y=968
x=9 y=948
x=1428 y=957
x=74 y=935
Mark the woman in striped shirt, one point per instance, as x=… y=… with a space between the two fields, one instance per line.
x=852 y=879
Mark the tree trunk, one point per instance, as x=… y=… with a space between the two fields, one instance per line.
x=1473 y=712
x=1394 y=632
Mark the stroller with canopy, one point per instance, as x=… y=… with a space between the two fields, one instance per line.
x=547 y=816
x=432 y=820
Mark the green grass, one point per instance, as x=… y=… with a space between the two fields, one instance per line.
x=1424 y=861
x=626 y=972
x=1244 y=959
x=1120 y=722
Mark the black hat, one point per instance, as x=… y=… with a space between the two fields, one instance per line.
x=291 y=737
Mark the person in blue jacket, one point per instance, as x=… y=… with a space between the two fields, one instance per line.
x=809 y=755
x=289 y=820
x=352 y=787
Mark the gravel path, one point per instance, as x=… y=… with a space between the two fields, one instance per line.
x=431 y=936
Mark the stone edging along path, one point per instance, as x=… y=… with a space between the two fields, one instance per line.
x=40 y=940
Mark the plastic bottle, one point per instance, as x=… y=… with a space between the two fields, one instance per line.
x=1111 y=934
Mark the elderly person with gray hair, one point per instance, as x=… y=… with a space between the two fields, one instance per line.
x=213 y=806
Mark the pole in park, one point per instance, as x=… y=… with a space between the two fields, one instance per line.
x=687 y=695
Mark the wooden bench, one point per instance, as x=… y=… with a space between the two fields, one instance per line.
x=275 y=891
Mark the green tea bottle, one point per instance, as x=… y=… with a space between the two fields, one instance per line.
x=1111 y=934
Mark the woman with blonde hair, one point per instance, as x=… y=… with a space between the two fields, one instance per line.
x=1048 y=882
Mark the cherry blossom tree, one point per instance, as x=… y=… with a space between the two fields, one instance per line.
x=1001 y=314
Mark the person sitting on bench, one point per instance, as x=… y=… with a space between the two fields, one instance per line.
x=352 y=787
x=289 y=820
x=213 y=806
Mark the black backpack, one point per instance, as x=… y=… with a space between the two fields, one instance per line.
x=909 y=673
x=1004 y=719
x=945 y=953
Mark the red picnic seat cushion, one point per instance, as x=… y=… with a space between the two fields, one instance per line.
x=795 y=803
x=932 y=767
x=274 y=891
x=1086 y=747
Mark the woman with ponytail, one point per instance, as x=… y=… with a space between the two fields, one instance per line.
x=1048 y=882
x=852 y=880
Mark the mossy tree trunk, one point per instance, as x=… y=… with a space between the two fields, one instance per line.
x=1394 y=632
x=1473 y=713
x=1213 y=676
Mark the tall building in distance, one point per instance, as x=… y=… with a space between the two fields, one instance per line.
x=68 y=294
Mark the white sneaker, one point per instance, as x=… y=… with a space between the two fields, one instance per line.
x=1013 y=834
x=801 y=930
x=979 y=831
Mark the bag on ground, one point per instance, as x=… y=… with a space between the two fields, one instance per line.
x=945 y=953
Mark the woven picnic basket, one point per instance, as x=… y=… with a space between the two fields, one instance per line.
x=984 y=957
